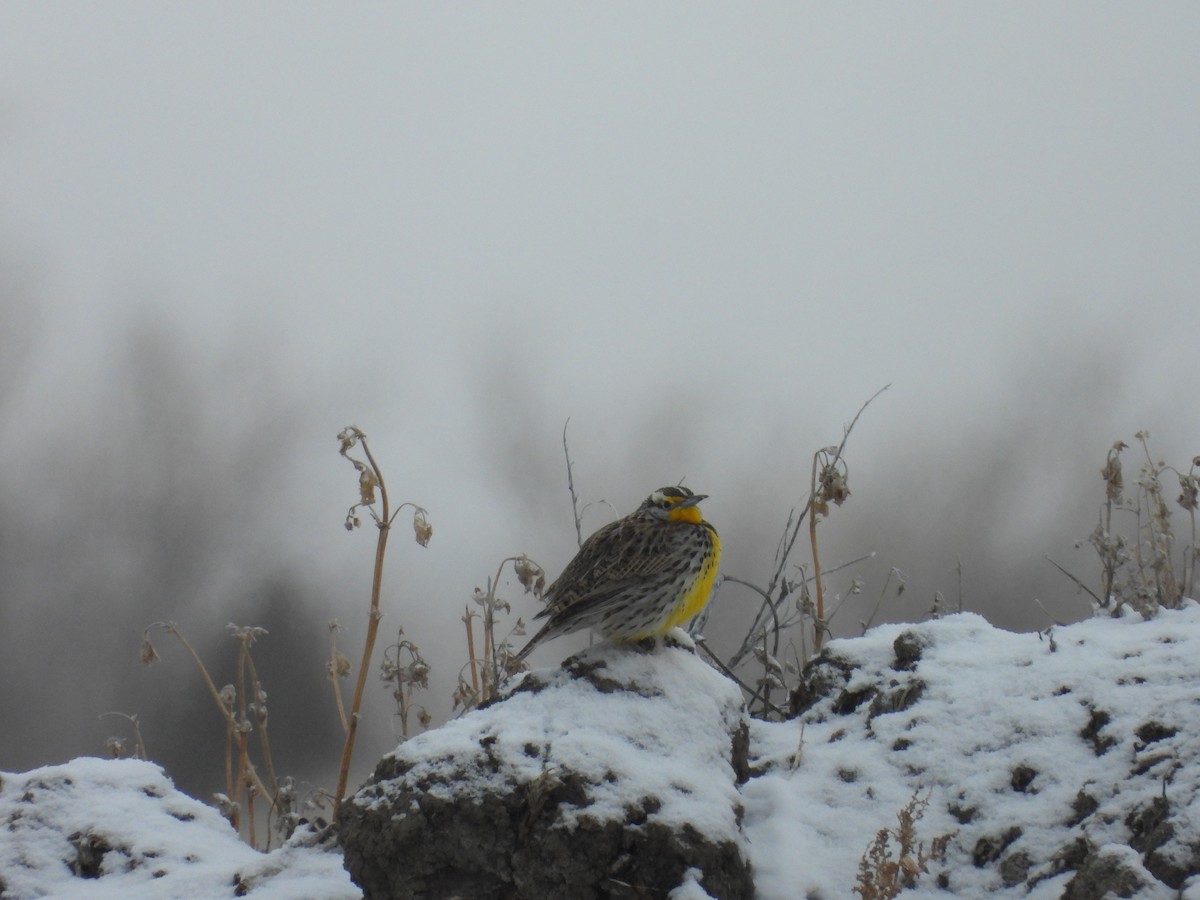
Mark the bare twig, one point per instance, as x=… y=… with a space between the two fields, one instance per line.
x=337 y=667
x=497 y=655
x=772 y=607
x=1083 y=586
x=959 y=569
x=827 y=484
x=571 y=488
x=234 y=732
x=831 y=465
x=1042 y=607
x=900 y=586
x=716 y=660
x=819 y=616
x=260 y=717
x=137 y=732
x=472 y=659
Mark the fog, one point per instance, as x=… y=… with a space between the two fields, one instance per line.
x=704 y=235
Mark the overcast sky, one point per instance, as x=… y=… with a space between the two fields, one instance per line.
x=706 y=233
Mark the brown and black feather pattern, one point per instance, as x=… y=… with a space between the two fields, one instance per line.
x=627 y=578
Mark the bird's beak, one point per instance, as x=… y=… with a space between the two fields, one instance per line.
x=691 y=501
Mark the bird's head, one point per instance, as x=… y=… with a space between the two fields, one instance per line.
x=675 y=504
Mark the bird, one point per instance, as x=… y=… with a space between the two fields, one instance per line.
x=637 y=577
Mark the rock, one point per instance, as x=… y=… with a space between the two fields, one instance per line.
x=908 y=648
x=989 y=848
x=599 y=779
x=897 y=697
x=826 y=676
x=1113 y=871
x=120 y=828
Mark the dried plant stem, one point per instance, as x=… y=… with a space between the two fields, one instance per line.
x=137 y=732
x=819 y=617
x=252 y=835
x=245 y=772
x=230 y=730
x=171 y=628
x=767 y=605
x=491 y=668
x=370 y=479
x=383 y=522
x=243 y=748
x=771 y=607
x=261 y=718
x=1099 y=602
x=1189 y=489
x=230 y=721
x=333 y=678
x=716 y=661
x=489 y=633
x=1189 y=557
x=819 y=627
x=489 y=629
x=786 y=601
x=571 y=488
x=473 y=660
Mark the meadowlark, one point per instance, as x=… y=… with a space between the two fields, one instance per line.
x=639 y=576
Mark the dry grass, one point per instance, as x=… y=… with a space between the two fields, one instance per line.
x=1143 y=565
x=792 y=621
x=243 y=708
x=488 y=670
x=370 y=479
x=250 y=776
x=895 y=859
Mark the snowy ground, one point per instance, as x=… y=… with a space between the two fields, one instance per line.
x=1004 y=730
x=118 y=828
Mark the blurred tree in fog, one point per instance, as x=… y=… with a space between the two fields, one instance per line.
x=140 y=493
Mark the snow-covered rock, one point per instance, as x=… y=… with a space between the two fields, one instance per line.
x=616 y=775
x=1064 y=765
x=118 y=828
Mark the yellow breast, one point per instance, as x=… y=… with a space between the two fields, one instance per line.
x=696 y=596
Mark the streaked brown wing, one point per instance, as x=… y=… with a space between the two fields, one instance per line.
x=615 y=559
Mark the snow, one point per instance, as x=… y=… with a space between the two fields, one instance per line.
x=617 y=741
x=1005 y=725
x=164 y=843
x=690 y=889
x=993 y=702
